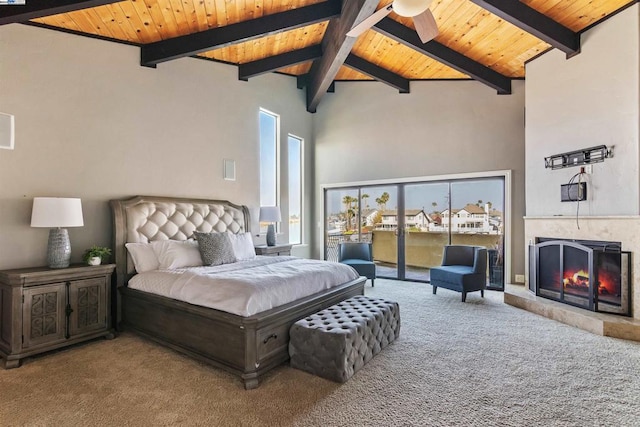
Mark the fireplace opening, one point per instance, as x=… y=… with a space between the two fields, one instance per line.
x=586 y=273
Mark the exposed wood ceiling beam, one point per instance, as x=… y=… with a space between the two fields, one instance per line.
x=534 y=22
x=191 y=44
x=378 y=73
x=441 y=53
x=273 y=63
x=302 y=81
x=336 y=47
x=39 y=8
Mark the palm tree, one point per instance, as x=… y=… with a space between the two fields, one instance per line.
x=382 y=201
x=479 y=202
x=346 y=200
x=434 y=205
x=352 y=215
x=364 y=197
x=348 y=203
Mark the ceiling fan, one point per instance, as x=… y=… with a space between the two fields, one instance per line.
x=423 y=19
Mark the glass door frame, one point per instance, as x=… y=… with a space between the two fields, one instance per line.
x=503 y=174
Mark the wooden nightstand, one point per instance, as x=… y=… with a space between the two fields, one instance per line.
x=284 y=249
x=42 y=309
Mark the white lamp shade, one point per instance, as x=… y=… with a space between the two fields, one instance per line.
x=270 y=214
x=410 y=8
x=51 y=212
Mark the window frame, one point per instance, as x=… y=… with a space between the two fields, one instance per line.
x=263 y=111
x=300 y=177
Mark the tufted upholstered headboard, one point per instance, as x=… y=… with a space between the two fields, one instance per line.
x=143 y=219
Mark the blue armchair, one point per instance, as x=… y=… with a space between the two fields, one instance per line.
x=358 y=255
x=463 y=269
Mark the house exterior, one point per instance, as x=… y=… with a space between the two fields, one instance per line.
x=369 y=216
x=414 y=218
x=470 y=219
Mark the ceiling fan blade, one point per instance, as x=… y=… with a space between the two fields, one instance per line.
x=370 y=21
x=426 y=26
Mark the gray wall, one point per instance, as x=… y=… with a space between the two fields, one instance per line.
x=367 y=131
x=588 y=100
x=92 y=123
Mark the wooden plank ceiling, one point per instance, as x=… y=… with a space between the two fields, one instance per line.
x=489 y=41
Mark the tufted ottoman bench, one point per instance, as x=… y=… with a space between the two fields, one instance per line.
x=336 y=342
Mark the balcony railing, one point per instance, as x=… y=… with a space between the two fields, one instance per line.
x=423 y=250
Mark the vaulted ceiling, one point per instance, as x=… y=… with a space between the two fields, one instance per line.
x=486 y=40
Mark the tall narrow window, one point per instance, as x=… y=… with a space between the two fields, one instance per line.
x=269 y=131
x=295 y=149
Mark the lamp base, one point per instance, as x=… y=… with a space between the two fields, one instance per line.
x=59 y=248
x=271 y=235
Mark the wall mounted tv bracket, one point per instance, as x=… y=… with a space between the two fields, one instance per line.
x=582 y=157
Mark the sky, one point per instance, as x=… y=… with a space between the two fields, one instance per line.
x=268 y=166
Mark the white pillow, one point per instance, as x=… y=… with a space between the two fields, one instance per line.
x=177 y=254
x=242 y=245
x=143 y=256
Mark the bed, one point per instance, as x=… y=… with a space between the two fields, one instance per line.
x=247 y=346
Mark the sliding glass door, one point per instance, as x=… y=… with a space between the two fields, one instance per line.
x=380 y=219
x=477 y=218
x=356 y=215
x=424 y=236
x=410 y=223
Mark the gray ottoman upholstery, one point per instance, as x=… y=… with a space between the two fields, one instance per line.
x=336 y=342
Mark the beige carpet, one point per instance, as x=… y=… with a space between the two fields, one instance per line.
x=481 y=363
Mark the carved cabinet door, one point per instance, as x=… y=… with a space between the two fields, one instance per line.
x=88 y=305
x=43 y=315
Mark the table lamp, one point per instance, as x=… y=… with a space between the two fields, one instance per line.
x=56 y=213
x=270 y=214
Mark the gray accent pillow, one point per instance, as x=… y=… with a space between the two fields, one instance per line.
x=215 y=248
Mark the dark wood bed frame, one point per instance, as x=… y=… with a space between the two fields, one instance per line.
x=245 y=346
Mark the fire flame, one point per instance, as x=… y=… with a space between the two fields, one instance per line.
x=580 y=280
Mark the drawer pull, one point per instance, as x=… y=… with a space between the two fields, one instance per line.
x=266 y=340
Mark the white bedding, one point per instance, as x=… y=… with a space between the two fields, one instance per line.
x=246 y=287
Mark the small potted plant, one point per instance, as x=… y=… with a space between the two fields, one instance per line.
x=96 y=255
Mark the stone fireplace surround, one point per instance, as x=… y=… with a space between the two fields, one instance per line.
x=625 y=229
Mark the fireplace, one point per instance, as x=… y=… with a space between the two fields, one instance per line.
x=594 y=275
